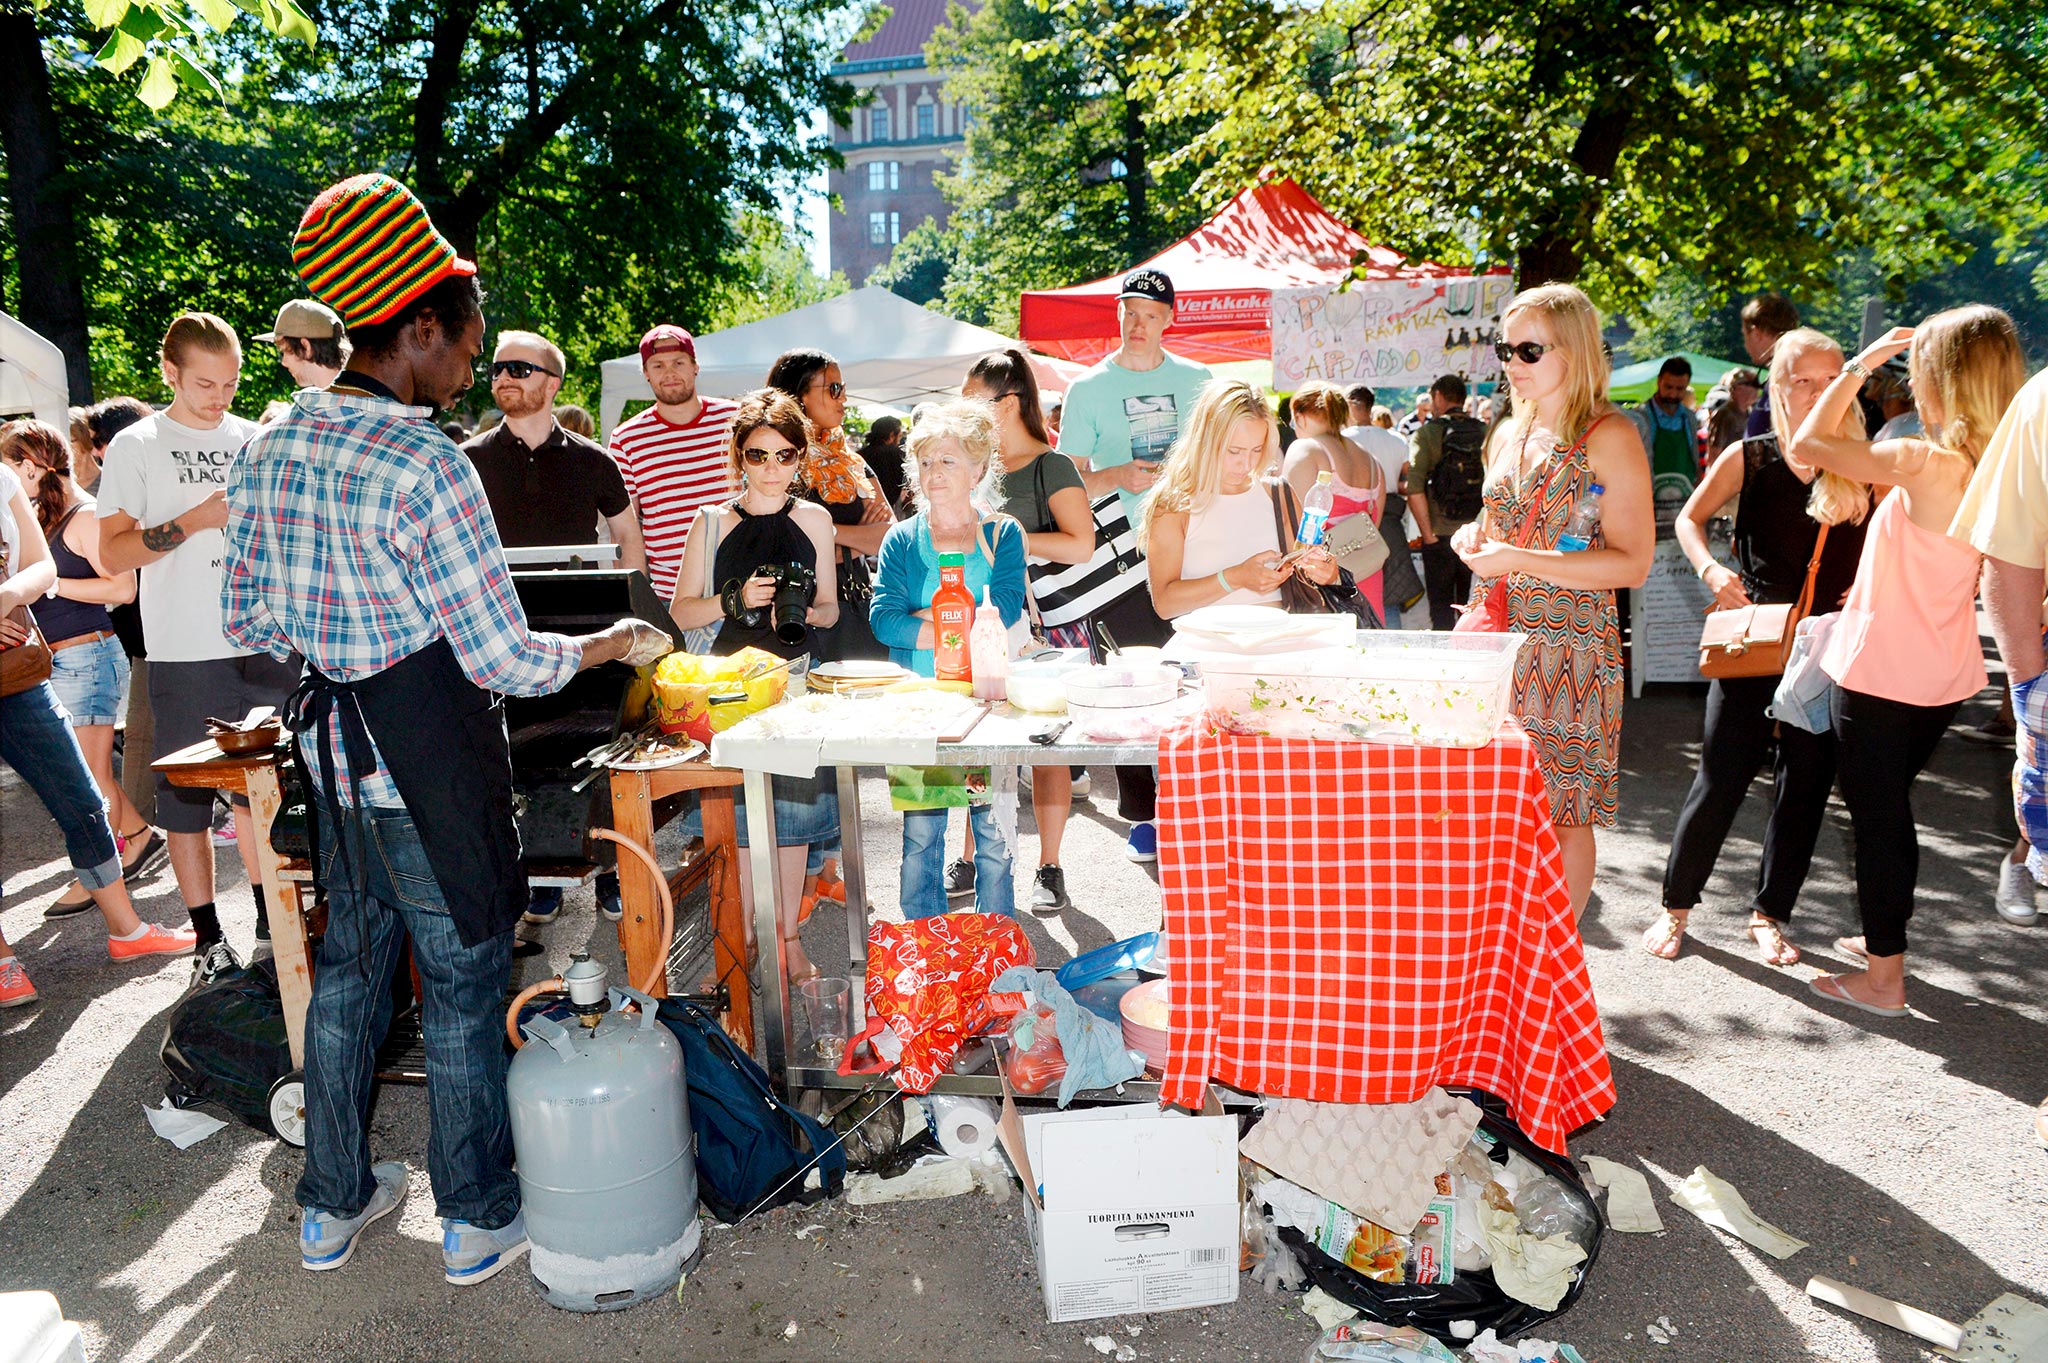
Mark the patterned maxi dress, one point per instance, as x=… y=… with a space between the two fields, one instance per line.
x=1568 y=678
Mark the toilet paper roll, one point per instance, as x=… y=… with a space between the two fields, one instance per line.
x=966 y=1127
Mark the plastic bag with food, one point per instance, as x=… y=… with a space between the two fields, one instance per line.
x=700 y=695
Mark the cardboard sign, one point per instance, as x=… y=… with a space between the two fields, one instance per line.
x=1397 y=333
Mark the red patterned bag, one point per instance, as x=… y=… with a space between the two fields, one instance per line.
x=928 y=985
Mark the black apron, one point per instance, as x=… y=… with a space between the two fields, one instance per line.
x=443 y=739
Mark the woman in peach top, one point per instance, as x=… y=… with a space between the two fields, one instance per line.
x=1905 y=652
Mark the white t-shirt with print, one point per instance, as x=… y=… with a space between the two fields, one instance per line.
x=156 y=470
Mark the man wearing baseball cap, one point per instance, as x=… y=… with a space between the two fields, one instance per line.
x=311 y=343
x=673 y=454
x=358 y=535
x=1120 y=419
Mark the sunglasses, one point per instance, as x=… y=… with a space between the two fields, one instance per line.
x=1528 y=352
x=785 y=456
x=519 y=369
x=835 y=390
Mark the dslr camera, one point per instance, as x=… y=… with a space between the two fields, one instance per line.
x=795 y=588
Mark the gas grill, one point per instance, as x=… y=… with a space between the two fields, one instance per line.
x=549 y=733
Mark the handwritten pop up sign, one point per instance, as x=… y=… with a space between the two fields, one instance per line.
x=1393 y=333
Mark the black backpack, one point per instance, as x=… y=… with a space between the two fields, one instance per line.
x=226 y=1043
x=1457 y=481
x=754 y=1151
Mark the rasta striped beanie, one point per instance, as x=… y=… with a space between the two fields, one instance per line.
x=366 y=248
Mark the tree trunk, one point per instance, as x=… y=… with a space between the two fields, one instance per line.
x=45 y=227
x=1555 y=253
x=1137 y=174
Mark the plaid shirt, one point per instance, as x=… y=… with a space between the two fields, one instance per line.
x=1354 y=922
x=357 y=535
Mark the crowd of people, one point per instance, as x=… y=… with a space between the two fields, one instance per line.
x=344 y=562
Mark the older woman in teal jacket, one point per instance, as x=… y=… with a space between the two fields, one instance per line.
x=950 y=448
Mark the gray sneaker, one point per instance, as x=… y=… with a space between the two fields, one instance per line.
x=1049 y=894
x=959 y=877
x=326 y=1241
x=471 y=1254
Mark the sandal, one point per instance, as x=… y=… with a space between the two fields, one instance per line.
x=1852 y=947
x=1839 y=993
x=797 y=977
x=1663 y=937
x=1770 y=941
x=153 y=848
x=831 y=885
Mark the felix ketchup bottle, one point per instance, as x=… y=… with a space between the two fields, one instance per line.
x=952 y=621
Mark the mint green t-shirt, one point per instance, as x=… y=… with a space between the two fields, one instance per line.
x=1114 y=415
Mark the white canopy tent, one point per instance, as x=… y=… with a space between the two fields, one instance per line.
x=32 y=375
x=889 y=349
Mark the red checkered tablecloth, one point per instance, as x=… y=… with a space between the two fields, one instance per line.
x=1354 y=922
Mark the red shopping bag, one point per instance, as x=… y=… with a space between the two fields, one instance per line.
x=928 y=985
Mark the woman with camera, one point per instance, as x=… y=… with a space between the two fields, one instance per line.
x=761 y=568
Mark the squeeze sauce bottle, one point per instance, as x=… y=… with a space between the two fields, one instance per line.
x=952 y=621
x=989 y=651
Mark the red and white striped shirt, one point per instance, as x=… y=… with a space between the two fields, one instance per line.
x=671 y=471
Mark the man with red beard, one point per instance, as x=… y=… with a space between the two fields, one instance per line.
x=547 y=486
x=673 y=455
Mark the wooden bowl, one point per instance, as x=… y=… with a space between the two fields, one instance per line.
x=240 y=742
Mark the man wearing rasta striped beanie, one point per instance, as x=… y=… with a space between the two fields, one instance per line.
x=358 y=535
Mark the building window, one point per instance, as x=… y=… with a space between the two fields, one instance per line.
x=878 y=228
x=878 y=123
x=884 y=175
x=895 y=228
x=927 y=120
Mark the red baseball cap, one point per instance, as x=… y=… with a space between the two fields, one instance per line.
x=667 y=337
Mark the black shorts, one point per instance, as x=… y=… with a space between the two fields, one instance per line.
x=183 y=696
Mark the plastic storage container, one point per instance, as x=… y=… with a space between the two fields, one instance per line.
x=1126 y=723
x=1040 y=688
x=1440 y=690
x=1121 y=686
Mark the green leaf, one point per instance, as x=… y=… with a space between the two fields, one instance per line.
x=195 y=77
x=104 y=13
x=220 y=14
x=121 y=52
x=159 y=84
x=142 y=23
x=293 y=22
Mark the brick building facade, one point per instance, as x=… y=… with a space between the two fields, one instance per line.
x=903 y=131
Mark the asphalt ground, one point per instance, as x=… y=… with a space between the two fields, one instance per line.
x=1901 y=1150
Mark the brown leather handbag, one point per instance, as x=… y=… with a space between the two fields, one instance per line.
x=1755 y=641
x=28 y=662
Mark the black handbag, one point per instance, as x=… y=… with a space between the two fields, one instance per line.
x=1299 y=596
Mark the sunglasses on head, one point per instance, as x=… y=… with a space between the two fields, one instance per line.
x=519 y=369
x=1528 y=352
x=836 y=390
x=784 y=455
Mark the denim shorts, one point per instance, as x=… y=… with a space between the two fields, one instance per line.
x=88 y=680
x=806 y=810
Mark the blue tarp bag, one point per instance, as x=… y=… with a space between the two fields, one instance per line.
x=754 y=1151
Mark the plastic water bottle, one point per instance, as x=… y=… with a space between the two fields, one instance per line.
x=1315 y=511
x=1584 y=523
x=988 y=652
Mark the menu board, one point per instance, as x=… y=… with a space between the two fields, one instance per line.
x=1665 y=615
x=1391 y=333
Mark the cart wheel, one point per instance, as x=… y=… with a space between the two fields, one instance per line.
x=287 y=1109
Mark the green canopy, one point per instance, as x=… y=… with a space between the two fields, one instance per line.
x=1634 y=382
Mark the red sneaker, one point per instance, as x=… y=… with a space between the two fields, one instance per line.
x=155 y=940
x=15 y=990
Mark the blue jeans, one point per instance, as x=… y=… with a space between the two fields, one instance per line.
x=469 y=1138
x=36 y=740
x=924 y=863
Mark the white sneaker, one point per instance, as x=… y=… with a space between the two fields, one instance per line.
x=2016 y=892
x=1082 y=785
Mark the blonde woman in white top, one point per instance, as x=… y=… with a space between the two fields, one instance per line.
x=1212 y=502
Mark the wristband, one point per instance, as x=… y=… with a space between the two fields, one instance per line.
x=1855 y=366
x=1227 y=588
x=1702 y=569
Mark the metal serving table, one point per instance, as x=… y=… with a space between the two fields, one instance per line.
x=1000 y=741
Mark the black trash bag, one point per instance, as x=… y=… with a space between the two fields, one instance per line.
x=1431 y=1307
x=226 y=1044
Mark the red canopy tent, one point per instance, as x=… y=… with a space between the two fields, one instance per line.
x=1271 y=236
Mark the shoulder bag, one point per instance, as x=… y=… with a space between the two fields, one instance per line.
x=1069 y=593
x=27 y=663
x=1299 y=596
x=1755 y=641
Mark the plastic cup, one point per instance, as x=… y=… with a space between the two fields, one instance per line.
x=828 y=1003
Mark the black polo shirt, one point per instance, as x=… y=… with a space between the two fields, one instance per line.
x=558 y=493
